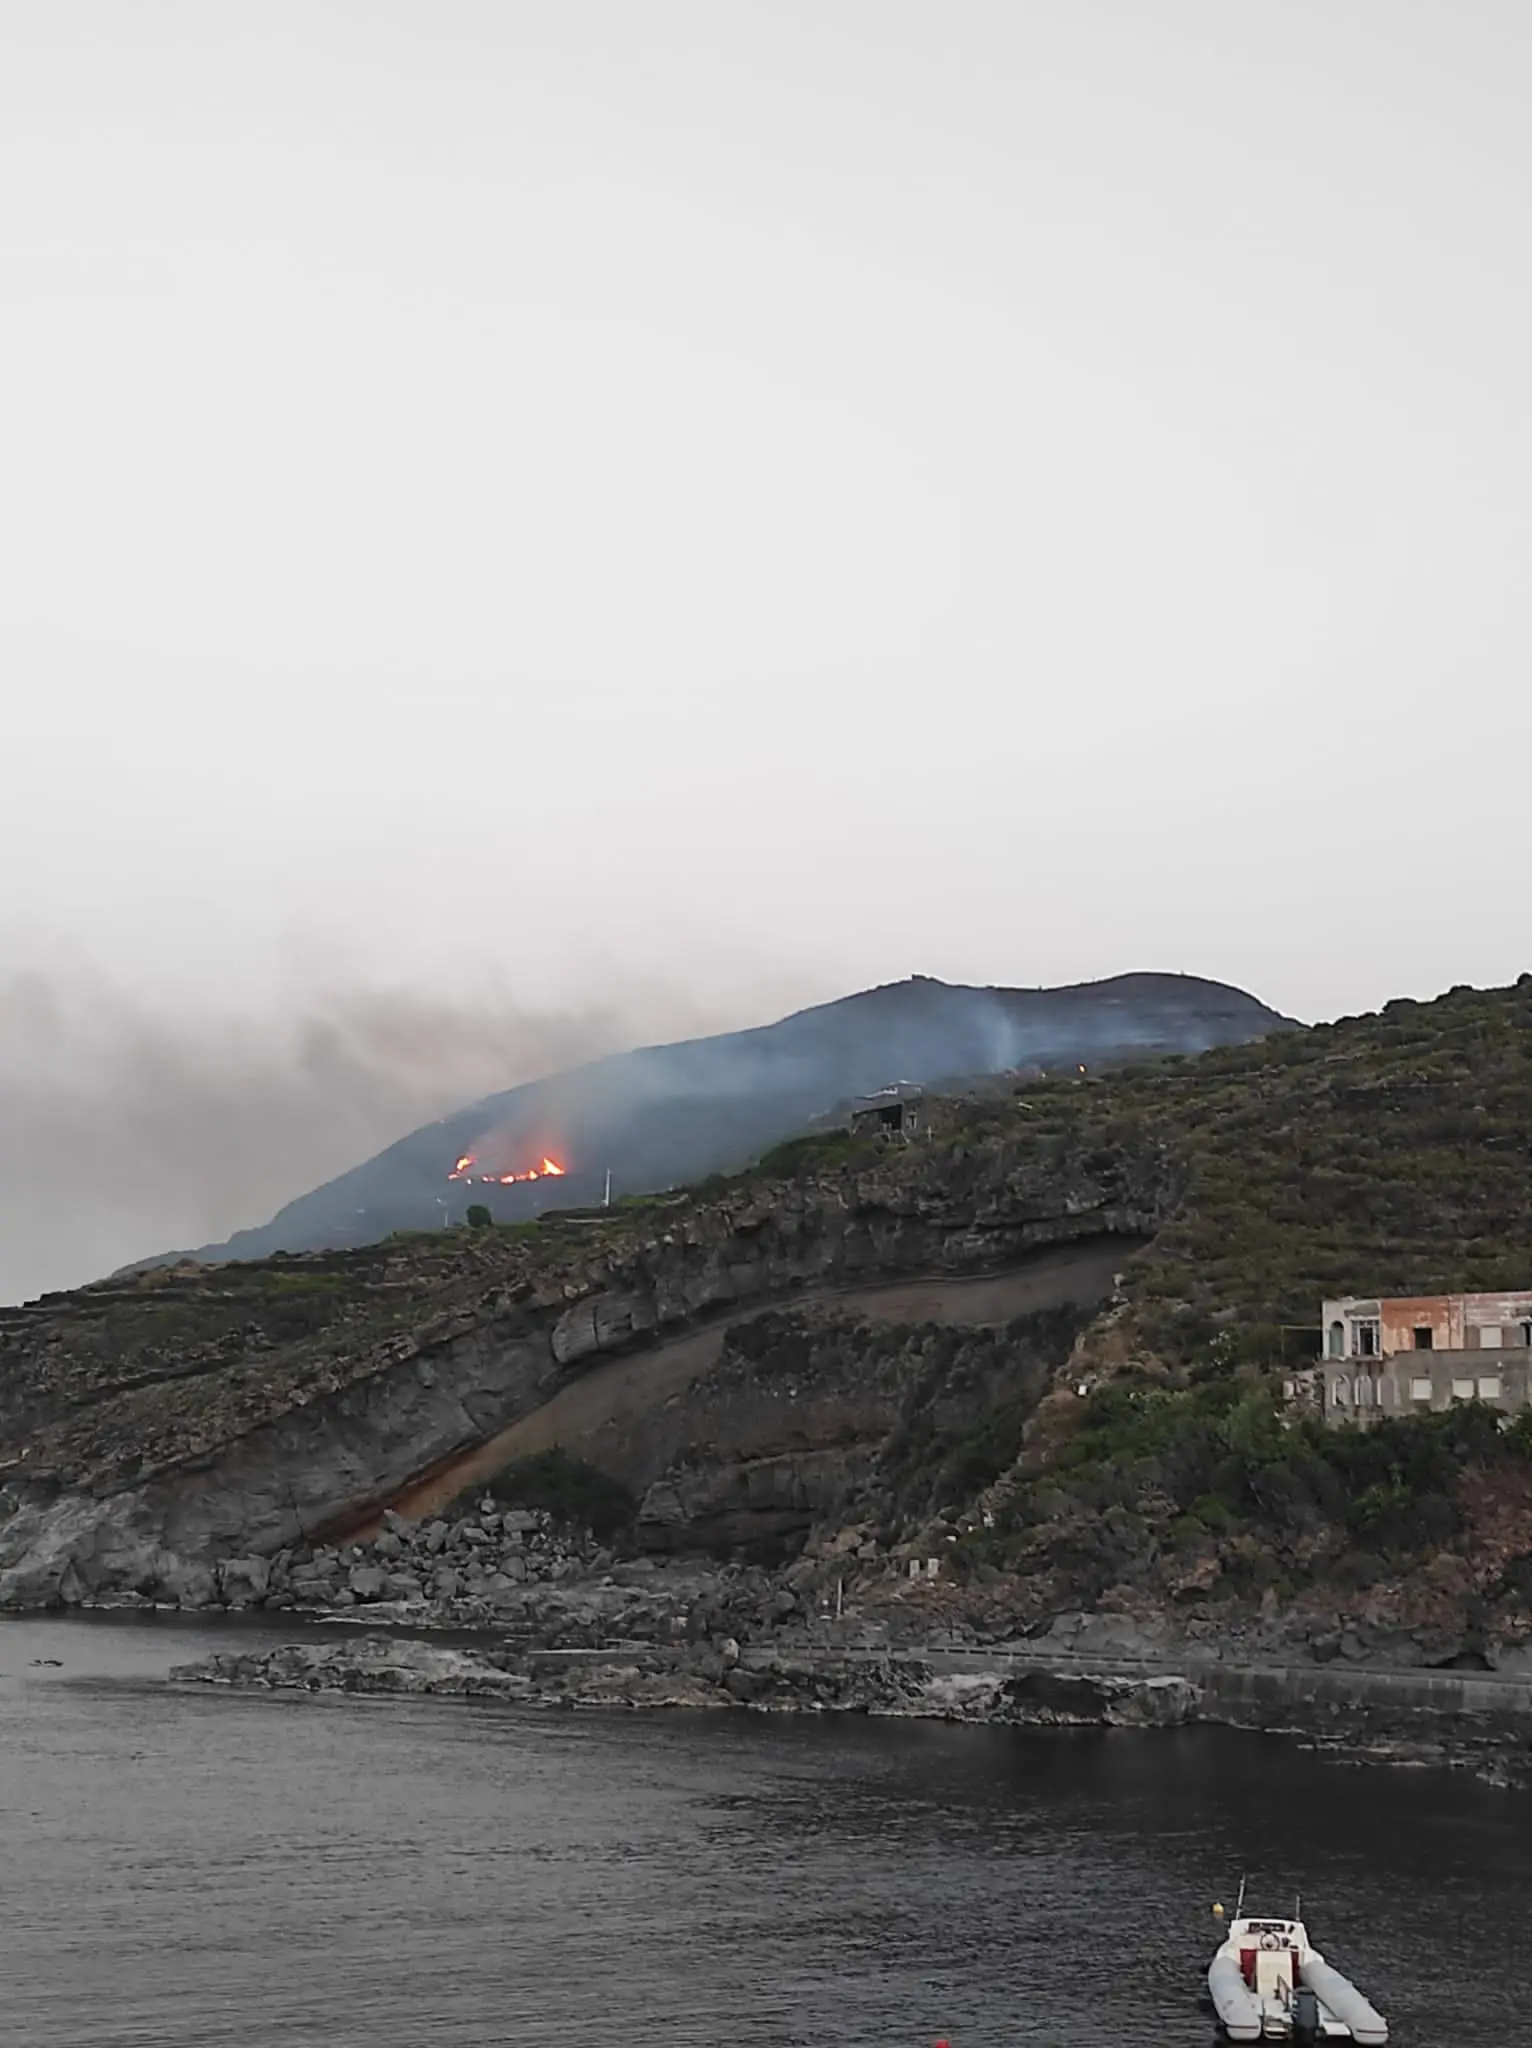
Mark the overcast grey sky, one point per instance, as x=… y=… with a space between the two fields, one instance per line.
x=649 y=513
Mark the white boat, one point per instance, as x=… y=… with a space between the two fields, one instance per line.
x=1269 y=1983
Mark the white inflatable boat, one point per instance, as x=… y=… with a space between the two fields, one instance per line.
x=1269 y=1984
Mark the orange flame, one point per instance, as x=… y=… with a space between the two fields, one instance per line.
x=548 y=1168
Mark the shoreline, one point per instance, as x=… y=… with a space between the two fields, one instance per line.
x=510 y=1604
x=1477 y=1721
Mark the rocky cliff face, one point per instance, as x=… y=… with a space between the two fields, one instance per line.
x=810 y=1416
x=154 y=1428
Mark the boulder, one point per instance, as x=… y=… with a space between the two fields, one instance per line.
x=186 y=1585
x=367 y=1581
x=243 y=1581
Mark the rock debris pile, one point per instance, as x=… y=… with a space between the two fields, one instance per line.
x=481 y=1559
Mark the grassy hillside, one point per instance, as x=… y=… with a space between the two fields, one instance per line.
x=1387 y=1154
x=1384 y=1154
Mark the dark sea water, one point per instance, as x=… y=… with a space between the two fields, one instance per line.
x=182 y=1869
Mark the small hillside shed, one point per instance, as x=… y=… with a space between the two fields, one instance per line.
x=894 y=1112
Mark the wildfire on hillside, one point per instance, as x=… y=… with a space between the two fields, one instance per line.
x=469 y=1171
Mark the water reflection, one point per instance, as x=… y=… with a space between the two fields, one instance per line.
x=196 y=1869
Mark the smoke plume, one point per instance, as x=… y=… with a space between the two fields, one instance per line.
x=125 y=1131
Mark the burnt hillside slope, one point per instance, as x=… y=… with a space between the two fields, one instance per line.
x=668 y=1115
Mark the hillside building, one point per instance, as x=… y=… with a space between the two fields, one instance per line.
x=1419 y=1353
x=894 y=1112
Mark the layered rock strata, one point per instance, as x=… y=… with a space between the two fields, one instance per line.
x=155 y=1432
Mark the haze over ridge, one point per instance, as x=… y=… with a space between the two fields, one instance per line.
x=671 y=1114
x=681 y=512
x=126 y=1125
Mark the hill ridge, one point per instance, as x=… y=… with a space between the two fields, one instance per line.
x=668 y=1114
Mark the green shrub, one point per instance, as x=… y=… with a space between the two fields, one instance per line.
x=815 y=1152
x=1228 y=1459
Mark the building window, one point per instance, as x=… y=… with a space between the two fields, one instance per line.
x=1367 y=1345
x=1338 y=1393
x=1489 y=1386
x=1337 y=1340
x=1420 y=1390
x=1424 y=1337
x=1526 y=1335
x=1462 y=1390
x=1489 y=1339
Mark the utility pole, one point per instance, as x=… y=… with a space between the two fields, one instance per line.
x=607 y=1199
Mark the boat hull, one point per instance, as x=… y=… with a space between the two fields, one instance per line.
x=1339 y=1996
x=1239 y=2014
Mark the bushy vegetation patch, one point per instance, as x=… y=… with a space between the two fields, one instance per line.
x=1222 y=1457
x=280 y=1284
x=815 y=1152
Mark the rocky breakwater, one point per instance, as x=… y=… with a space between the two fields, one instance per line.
x=159 y=1429
x=632 y=1677
x=792 y=1674
x=1464 y=1721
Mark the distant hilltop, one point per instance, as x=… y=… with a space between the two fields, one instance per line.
x=667 y=1115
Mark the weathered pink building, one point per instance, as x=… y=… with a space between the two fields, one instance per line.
x=1416 y=1353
